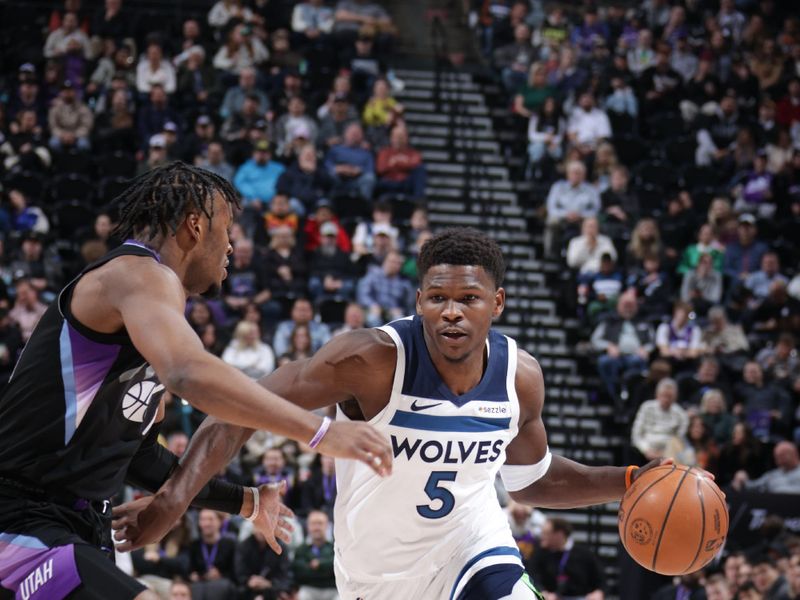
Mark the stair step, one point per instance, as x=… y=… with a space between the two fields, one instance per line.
x=444 y=108
x=461 y=133
x=445 y=95
x=424 y=141
x=405 y=74
x=474 y=184
x=454 y=168
x=443 y=119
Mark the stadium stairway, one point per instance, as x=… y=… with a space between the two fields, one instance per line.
x=455 y=120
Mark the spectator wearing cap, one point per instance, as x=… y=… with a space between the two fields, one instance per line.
x=351 y=165
x=67 y=39
x=302 y=314
x=337 y=119
x=332 y=275
x=364 y=235
x=385 y=293
x=323 y=213
x=170 y=133
x=154 y=68
x=196 y=80
x=256 y=179
x=305 y=181
x=156 y=154
x=312 y=20
x=294 y=124
x=743 y=256
x=27 y=96
x=28 y=309
x=70 y=120
x=215 y=161
x=399 y=166
x=194 y=146
x=154 y=115
x=235 y=97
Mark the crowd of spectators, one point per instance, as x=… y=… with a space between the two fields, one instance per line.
x=291 y=101
x=663 y=154
x=664 y=151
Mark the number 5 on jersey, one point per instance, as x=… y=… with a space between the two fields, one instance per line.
x=437 y=492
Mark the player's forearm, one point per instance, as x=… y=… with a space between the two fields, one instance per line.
x=224 y=392
x=568 y=484
x=211 y=448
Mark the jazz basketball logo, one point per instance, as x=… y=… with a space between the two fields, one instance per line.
x=136 y=404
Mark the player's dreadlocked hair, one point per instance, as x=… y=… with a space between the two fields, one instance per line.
x=463 y=246
x=157 y=201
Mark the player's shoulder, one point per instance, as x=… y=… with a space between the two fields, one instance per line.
x=529 y=381
x=130 y=275
x=371 y=344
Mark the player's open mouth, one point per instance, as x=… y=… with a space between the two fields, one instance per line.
x=454 y=335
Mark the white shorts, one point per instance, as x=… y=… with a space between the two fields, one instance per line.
x=496 y=574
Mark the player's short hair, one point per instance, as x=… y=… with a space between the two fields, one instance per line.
x=463 y=246
x=156 y=202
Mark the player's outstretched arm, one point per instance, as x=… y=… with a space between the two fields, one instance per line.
x=566 y=483
x=151 y=301
x=339 y=371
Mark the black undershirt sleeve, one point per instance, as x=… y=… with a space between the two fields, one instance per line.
x=153 y=464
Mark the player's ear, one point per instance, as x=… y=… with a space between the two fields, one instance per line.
x=418 y=304
x=499 y=302
x=194 y=223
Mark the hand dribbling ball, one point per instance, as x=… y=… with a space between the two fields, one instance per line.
x=673 y=519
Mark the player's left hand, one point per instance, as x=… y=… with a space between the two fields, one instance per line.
x=125 y=524
x=272 y=515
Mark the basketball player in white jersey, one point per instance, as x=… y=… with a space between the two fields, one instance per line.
x=458 y=402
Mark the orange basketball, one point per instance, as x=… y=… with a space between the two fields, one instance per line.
x=673 y=520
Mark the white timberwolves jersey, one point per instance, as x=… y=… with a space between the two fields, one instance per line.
x=439 y=505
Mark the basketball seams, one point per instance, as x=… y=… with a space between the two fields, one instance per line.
x=666 y=516
x=724 y=506
x=702 y=526
x=639 y=497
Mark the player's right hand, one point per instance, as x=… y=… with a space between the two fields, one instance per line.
x=358 y=441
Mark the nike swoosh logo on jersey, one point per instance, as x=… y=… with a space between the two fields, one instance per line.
x=416 y=407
